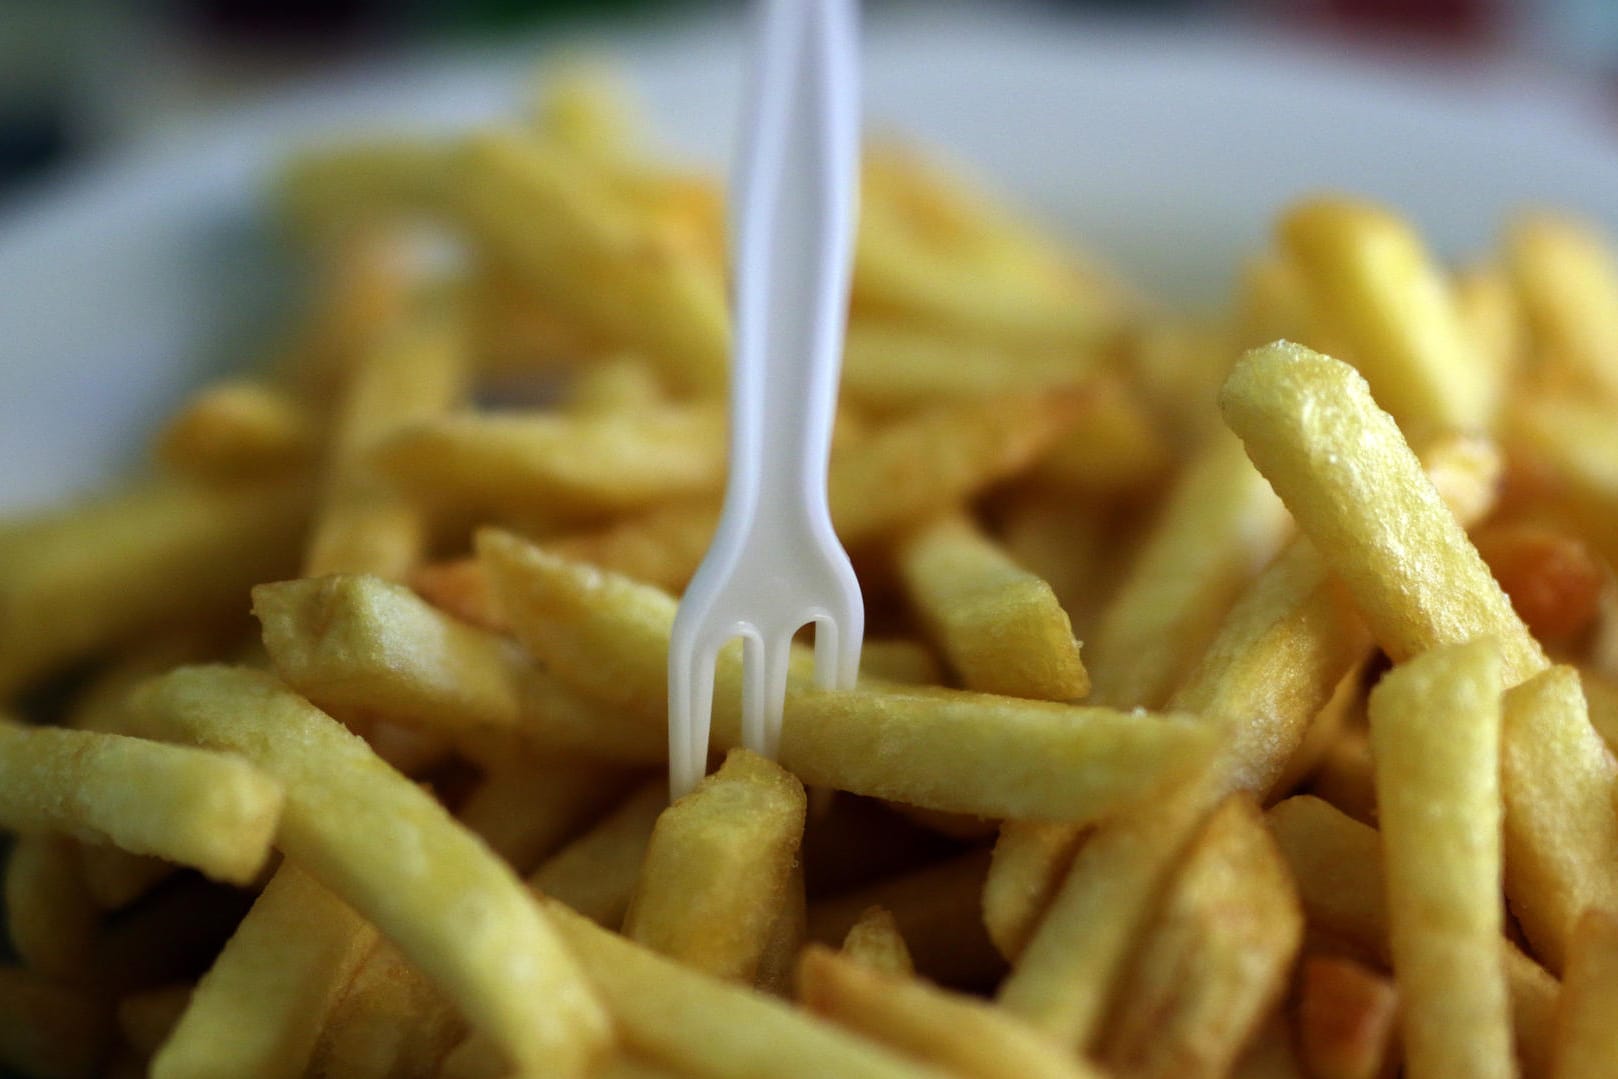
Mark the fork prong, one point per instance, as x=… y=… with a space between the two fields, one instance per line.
x=691 y=678
x=754 y=699
x=828 y=664
x=777 y=659
x=847 y=631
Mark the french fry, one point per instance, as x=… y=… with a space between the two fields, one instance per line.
x=717 y=868
x=1492 y=317
x=258 y=1010
x=170 y=935
x=596 y=873
x=390 y=1023
x=1215 y=957
x=196 y=807
x=1178 y=363
x=965 y=1036
x=1586 y=1040
x=1561 y=836
x=662 y=547
x=76 y=581
x=49 y=1030
x=238 y=430
x=874 y=941
x=1345 y=777
x=1218 y=525
x=617 y=384
x=526 y=807
x=1271 y=1054
x=785 y=939
x=1117 y=447
x=459 y=588
x=1435 y=733
x=1601 y=694
x=1060 y=539
x=1000 y=627
x=1553 y=579
x=1374 y=288
x=1567 y=280
x=1273 y=303
x=1570 y=438
x=116 y=878
x=1342 y=718
x=610 y=636
x=337 y=189
x=146 y=1019
x=1031 y=859
x=900 y=659
x=51 y=918
x=340 y=798
x=892 y=366
x=1346 y=1019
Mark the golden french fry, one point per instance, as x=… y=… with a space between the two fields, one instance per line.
x=527 y=806
x=1435 y=734
x=340 y=800
x=785 y=939
x=390 y=1023
x=618 y=384
x=609 y=636
x=1345 y=777
x=1031 y=860
x=1178 y=363
x=116 y=878
x=1346 y=1019
x=196 y=807
x=1273 y=304
x=874 y=941
x=1060 y=538
x=662 y=547
x=51 y=918
x=596 y=874
x=1355 y=488
x=1553 y=579
x=50 y=1030
x=715 y=877
x=1341 y=718
x=1567 y=280
x=899 y=659
x=338 y=189
x=1000 y=628
x=965 y=1036
x=459 y=587
x=1218 y=525
x=1117 y=447
x=75 y=581
x=1561 y=836
x=258 y=1010
x=146 y=1019
x=891 y=365
x=1571 y=439
x=1374 y=288
x=1492 y=317
x=238 y=430
x=1215 y=958
x=1586 y=1039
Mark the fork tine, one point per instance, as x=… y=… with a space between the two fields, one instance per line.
x=754 y=699
x=848 y=631
x=828 y=665
x=691 y=681
x=777 y=659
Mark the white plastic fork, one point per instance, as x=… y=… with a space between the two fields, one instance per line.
x=775 y=563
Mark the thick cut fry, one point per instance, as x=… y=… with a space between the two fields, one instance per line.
x=964 y=1036
x=1346 y=1017
x=1359 y=493
x=596 y=873
x=116 y=878
x=567 y=466
x=1435 y=732
x=609 y=636
x=1374 y=288
x=364 y=525
x=1567 y=279
x=1060 y=540
x=1553 y=579
x=1586 y=1037
x=526 y=807
x=1219 y=524
x=1117 y=447
x=146 y=1019
x=1215 y=957
x=874 y=941
x=900 y=659
x=78 y=580
x=392 y=1023
x=715 y=876
x=1000 y=627
x=785 y=939
x=1345 y=777
x=710 y=1027
x=1573 y=441
x=51 y=1031
x=199 y=808
x=235 y=431
x=1492 y=317
x=891 y=365
x=391 y=852
x=1561 y=837
x=51 y=918
x=257 y=1012
x=662 y=547
x=1030 y=862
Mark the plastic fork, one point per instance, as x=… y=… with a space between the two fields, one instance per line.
x=775 y=564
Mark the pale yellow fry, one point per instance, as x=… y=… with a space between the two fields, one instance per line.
x=528 y=805
x=1373 y=287
x=1273 y=303
x=238 y=430
x=391 y=1023
x=1346 y=1019
x=1601 y=694
x=874 y=941
x=1435 y=733
x=1031 y=860
x=1567 y=279
x=1574 y=440
x=335 y=189
x=1356 y=489
x=616 y=384
x=391 y=852
x=1494 y=321
x=147 y=1018
x=661 y=547
x=1061 y=539
x=710 y=1027
x=1345 y=777
x=1218 y=526
x=116 y=878
x=51 y=918
x=716 y=872
x=1178 y=363
x=1000 y=627
x=784 y=939
x=965 y=1036
x=364 y=524
x=1561 y=837
x=608 y=636
x=1215 y=958
x=667 y=300
x=596 y=873
x=77 y=580
x=565 y=464
x=897 y=365
x=899 y=659
x=1586 y=1036
x=258 y=1010
x=196 y=807
x=1118 y=447
x=52 y=1031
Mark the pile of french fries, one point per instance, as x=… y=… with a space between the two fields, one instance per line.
x=1329 y=791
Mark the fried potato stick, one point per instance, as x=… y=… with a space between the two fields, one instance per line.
x=596 y=874
x=874 y=941
x=1586 y=1038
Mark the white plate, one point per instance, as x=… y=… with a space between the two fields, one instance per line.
x=1165 y=152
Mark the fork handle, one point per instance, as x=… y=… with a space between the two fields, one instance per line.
x=793 y=208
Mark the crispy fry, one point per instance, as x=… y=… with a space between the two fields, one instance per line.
x=238 y=430
x=116 y=878
x=1586 y=1039
x=1031 y=859
x=1345 y=777
x=391 y=1023
x=785 y=939
x=874 y=941
x=196 y=807
x=1060 y=539
x=257 y=1012
x=1116 y=447
x=891 y=365
x=51 y=1031
x=715 y=877
x=1493 y=319
x=526 y=807
x=1346 y=1018
x=51 y=918
x=1571 y=439
x=596 y=873
x=1567 y=280
x=1000 y=627
x=662 y=547
x=1553 y=579
x=340 y=798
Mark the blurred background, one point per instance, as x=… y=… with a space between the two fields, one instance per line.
x=79 y=78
